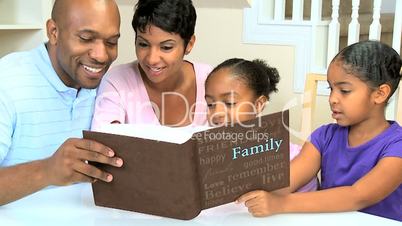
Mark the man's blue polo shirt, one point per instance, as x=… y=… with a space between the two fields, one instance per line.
x=37 y=111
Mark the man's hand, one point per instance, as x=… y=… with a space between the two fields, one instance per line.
x=69 y=164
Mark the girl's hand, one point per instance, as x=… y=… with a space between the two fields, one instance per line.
x=261 y=203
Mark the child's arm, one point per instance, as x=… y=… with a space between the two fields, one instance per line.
x=382 y=180
x=303 y=168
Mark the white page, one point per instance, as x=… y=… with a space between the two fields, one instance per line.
x=176 y=135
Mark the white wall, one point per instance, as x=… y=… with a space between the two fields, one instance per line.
x=388 y=6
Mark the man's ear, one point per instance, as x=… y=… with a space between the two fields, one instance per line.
x=260 y=103
x=381 y=95
x=190 y=45
x=52 y=31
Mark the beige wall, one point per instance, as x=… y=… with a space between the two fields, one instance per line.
x=219 y=37
x=126 y=41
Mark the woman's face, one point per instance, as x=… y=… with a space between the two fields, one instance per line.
x=160 y=53
x=230 y=100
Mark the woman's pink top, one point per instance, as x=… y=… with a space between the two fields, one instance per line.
x=122 y=97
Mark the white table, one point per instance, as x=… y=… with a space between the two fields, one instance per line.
x=74 y=206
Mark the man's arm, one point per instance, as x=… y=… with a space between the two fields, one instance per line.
x=66 y=166
x=21 y=180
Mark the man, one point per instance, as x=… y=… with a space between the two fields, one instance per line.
x=47 y=97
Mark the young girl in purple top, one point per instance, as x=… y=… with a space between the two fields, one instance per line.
x=237 y=90
x=360 y=156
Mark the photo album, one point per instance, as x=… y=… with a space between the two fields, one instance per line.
x=176 y=173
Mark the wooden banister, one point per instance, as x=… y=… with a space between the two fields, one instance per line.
x=309 y=100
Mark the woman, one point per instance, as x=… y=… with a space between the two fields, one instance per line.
x=160 y=87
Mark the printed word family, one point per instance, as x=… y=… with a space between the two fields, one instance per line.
x=271 y=144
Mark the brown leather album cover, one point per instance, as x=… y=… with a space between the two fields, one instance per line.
x=212 y=168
